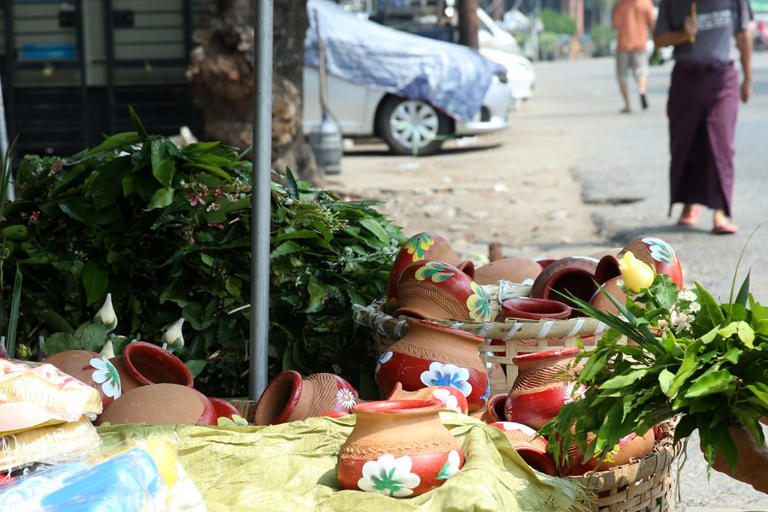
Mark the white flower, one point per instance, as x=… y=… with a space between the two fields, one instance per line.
x=106 y=315
x=173 y=337
x=108 y=351
x=389 y=476
x=451 y=466
x=346 y=398
x=386 y=356
x=447 y=375
x=694 y=307
x=107 y=376
x=687 y=295
x=449 y=401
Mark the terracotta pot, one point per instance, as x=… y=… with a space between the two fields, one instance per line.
x=447 y=397
x=531 y=447
x=92 y=369
x=607 y=268
x=398 y=448
x=573 y=275
x=160 y=404
x=533 y=309
x=434 y=289
x=289 y=398
x=334 y=414
x=603 y=303
x=659 y=255
x=542 y=386
x=495 y=410
x=223 y=408
x=421 y=246
x=515 y=270
x=143 y=363
x=431 y=354
x=629 y=447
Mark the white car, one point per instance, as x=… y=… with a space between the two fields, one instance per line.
x=408 y=126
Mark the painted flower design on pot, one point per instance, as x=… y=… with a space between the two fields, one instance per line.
x=451 y=466
x=419 y=245
x=478 y=304
x=440 y=374
x=660 y=250
x=389 y=476
x=436 y=271
x=449 y=401
x=346 y=398
x=106 y=375
x=386 y=356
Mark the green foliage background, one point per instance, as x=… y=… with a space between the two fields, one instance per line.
x=166 y=230
x=557 y=22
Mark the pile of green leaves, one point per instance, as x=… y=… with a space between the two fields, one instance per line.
x=166 y=230
x=695 y=357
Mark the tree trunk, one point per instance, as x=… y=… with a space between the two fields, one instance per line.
x=468 y=23
x=221 y=77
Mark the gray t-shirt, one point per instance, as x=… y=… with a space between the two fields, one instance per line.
x=718 y=22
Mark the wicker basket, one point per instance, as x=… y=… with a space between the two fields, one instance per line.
x=643 y=486
x=504 y=341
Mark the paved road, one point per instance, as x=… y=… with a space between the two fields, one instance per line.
x=624 y=168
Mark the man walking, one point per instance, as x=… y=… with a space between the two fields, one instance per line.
x=632 y=20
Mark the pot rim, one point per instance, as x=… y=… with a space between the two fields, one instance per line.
x=293 y=398
x=547 y=354
x=163 y=355
x=399 y=407
x=533 y=308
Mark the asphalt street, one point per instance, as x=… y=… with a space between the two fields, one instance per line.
x=624 y=168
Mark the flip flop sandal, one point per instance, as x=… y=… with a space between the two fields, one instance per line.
x=728 y=228
x=690 y=218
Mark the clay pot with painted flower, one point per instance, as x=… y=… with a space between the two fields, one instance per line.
x=142 y=364
x=435 y=289
x=431 y=354
x=398 y=448
x=544 y=384
x=90 y=368
x=421 y=246
x=450 y=398
x=659 y=255
x=288 y=397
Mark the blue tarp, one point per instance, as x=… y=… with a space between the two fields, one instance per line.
x=451 y=77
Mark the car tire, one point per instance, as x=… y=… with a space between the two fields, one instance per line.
x=395 y=124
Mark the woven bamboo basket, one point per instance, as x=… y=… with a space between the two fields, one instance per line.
x=503 y=341
x=646 y=485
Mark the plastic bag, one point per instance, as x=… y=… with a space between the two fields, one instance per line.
x=35 y=394
x=141 y=476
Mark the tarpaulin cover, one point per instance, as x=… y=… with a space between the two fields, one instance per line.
x=451 y=77
x=293 y=467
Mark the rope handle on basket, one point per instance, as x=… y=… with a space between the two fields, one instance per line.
x=372 y=316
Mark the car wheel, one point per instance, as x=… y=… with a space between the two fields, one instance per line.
x=412 y=127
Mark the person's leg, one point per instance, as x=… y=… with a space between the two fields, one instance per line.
x=622 y=72
x=641 y=75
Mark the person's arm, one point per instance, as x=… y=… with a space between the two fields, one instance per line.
x=751 y=463
x=677 y=37
x=744 y=42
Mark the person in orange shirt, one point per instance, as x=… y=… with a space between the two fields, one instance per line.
x=632 y=19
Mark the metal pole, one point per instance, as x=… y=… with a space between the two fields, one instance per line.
x=260 y=207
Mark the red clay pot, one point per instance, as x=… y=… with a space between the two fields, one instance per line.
x=495 y=410
x=515 y=270
x=533 y=309
x=601 y=301
x=659 y=255
x=431 y=354
x=421 y=246
x=542 y=386
x=629 y=448
x=573 y=275
x=223 y=408
x=398 y=448
x=288 y=397
x=143 y=363
x=531 y=447
x=607 y=268
x=447 y=397
x=160 y=404
x=83 y=364
x=434 y=289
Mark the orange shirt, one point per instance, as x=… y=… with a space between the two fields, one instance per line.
x=632 y=19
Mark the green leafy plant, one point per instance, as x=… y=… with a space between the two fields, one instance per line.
x=166 y=230
x=557 y=22
x=694 y=357
x=601 y=37
x=9 y=318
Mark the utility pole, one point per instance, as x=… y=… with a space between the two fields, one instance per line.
x=468 y=23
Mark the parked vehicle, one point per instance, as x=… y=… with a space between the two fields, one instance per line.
x=411 y=91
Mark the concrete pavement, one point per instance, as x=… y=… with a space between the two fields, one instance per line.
x=624 y=168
